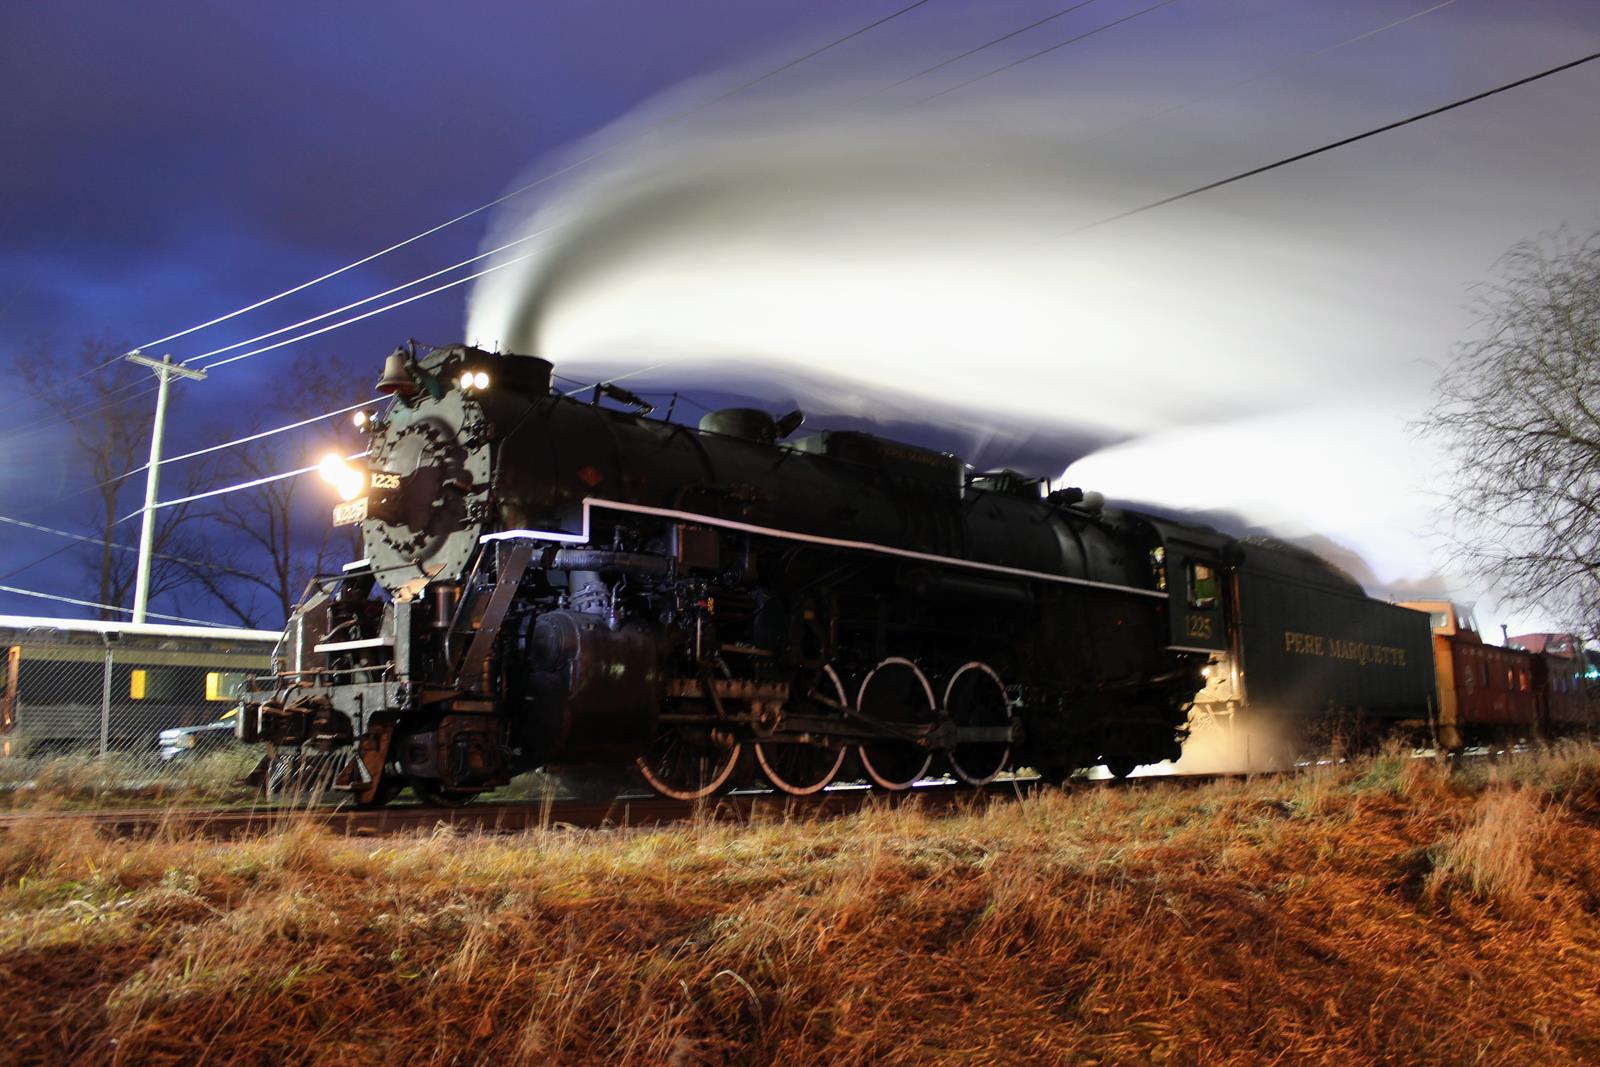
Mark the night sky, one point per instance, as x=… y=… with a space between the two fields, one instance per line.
x=164 y=163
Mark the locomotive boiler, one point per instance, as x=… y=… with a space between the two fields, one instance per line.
x=554 y=580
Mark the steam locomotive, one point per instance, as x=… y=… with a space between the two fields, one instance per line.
x=556 y=580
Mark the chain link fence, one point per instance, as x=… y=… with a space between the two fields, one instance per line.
x=122 y=707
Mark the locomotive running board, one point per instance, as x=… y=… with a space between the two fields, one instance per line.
x=590 y=503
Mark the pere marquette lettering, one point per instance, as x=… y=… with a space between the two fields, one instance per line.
x=1335 y=648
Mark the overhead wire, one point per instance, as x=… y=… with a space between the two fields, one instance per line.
x=987 y=44
x=811 y=55
x=247 y=439
x=266 y=433
x=1269 y=71
x=251 y=484
x=1342 y=142
x=102 y=607
x=375 y=296
x=112 y=399
x=521 y=189
x=148 y=390
x=367 y=314
x=85 y=538
x=362 y=261
x=1046 y=51
x=47 y=557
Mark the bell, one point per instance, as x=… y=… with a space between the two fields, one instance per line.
x=397 y=377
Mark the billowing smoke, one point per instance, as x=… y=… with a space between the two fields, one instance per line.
x=877 y=261
x=1255 y=352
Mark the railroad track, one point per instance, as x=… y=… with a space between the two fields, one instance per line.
x=516 y=817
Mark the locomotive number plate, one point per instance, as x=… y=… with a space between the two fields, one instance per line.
x=382 y=480
x=350 y=512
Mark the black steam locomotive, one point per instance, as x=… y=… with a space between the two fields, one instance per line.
x=553 y=580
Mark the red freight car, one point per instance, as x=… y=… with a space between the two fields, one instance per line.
x=1559 y=668
x=1486 y=692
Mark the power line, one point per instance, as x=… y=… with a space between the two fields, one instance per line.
x=810 y=55
x=47 y=557
x=368 y=314
x=364 y=260
x=1046 y=51
x=253 y=437
x=97 y=368
x=110 y=400
x=101 y=607
x=521 y=189
x=1299 y=156
x=1212 y=94
x=987 y=44
x=375 y=296
x=218 y=448
x=251 y=484
x=23 y=523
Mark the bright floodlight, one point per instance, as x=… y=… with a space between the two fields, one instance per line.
x=361 y=420
x=346 y=479
x=481 y=380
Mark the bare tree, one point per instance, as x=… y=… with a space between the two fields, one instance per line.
x=278 y=534
x=1519 y=412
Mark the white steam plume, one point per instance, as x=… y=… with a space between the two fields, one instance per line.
x=1255 y=351
x=877 y=260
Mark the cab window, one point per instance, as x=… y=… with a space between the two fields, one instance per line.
x=1202 y=586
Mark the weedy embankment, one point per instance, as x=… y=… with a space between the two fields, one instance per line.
x=1389 y=911
x=124 y=780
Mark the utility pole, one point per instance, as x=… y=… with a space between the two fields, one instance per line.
x=165 y=370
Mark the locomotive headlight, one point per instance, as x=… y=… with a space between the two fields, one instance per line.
x=349 y=482
x=480 y=379
x=473 y=380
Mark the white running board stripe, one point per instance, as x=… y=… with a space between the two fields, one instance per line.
x=589 y=503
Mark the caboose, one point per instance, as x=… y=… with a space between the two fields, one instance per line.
x=1486 y=693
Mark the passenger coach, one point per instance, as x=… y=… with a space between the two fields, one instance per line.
x=85 y=685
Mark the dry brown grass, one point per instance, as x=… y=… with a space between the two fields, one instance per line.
x=1389 y=912
x=123 y=779
x=1493 y=857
